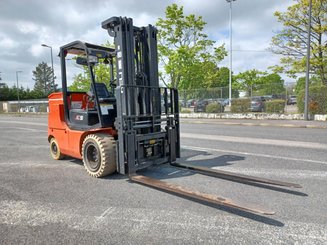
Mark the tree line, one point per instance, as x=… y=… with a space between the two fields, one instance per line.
x=44 y=85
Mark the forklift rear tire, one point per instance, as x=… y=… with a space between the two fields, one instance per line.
x=55 y=150
x=99 y=155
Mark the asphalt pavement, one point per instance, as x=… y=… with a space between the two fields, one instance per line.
x=43 y=201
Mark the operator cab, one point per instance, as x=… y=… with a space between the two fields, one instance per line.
x=92 y=104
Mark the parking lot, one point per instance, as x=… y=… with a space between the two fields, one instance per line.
x=43 y=201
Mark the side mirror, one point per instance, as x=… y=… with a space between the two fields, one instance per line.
x=81 y=61
x=93 y=59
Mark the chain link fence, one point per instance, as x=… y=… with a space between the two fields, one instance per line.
x=24 y=106
x=271 y=98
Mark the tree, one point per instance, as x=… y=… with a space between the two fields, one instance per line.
x=300 y=84
x=249 y=81
x=4 y=93
x=189 y=58
x=291 y=42
x=43 y=77
x=271 y=84
x=82 y=81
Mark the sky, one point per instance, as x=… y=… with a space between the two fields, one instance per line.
x=26 y=24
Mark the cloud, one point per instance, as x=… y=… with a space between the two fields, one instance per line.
x=7 y=43
x=25 y=25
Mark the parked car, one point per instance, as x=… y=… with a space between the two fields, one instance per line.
x=201 y=105
x=268 y=97
x=190 y=103
x=257 y=104
x=226 y=102
x=182 y=103
x=292 y=100
x=222 y=101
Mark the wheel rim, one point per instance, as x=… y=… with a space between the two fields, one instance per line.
x=93 y=157
x=54 y=148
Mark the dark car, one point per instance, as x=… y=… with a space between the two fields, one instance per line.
x=190 y=103
x=292 y=100
x=200 y=105
x=257 y=104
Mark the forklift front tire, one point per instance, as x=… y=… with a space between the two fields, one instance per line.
x=55 y=150
x=99 y=155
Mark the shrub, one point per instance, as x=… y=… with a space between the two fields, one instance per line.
x=240 y=105
x=275 y=106
x=214 y=108
x=185 y=111
x=317 y=100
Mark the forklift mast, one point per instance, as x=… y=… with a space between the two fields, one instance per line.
x=147 y=115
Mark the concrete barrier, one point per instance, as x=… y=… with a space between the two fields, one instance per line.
x=259 y=116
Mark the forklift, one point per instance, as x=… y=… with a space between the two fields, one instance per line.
x=132 y=123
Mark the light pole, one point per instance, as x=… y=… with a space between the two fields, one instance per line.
x=44 y=45
x=18 y=90
x=230 y=50
x=308 y=66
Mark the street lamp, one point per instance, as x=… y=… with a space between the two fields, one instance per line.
x=230 y=50
x=18 y=90
x=44 y=45
x=306 y=99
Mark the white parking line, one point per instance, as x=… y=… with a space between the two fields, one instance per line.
x=251 y=154
x=260 y=141
x=26 y=123
x=26 y=130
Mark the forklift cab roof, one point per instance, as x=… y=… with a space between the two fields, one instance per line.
x=81 y=48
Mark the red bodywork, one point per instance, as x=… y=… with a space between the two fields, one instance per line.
x=70 y=141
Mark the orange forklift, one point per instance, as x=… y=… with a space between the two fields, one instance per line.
x=131 y=123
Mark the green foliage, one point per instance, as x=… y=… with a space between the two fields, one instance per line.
x=275 y=106
x=44 y=80
x=256 y=83
x=300 y=84
x=8 y=94
x=291 y=41
x=317 y=99
x=82 y=81
x=186 y=111
x=214 y=108
x=270 y=84
x=248 y=81
x=240 y=105
x=189 y=58
x=5 y=93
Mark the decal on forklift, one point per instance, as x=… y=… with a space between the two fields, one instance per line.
x=76 y=105
x=105 y=108
x=79 y=117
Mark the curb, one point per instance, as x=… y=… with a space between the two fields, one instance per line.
x=257 y=116
x=285 y=125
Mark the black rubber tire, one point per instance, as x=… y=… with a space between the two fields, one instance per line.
x=99 y=155
x=55 y=150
